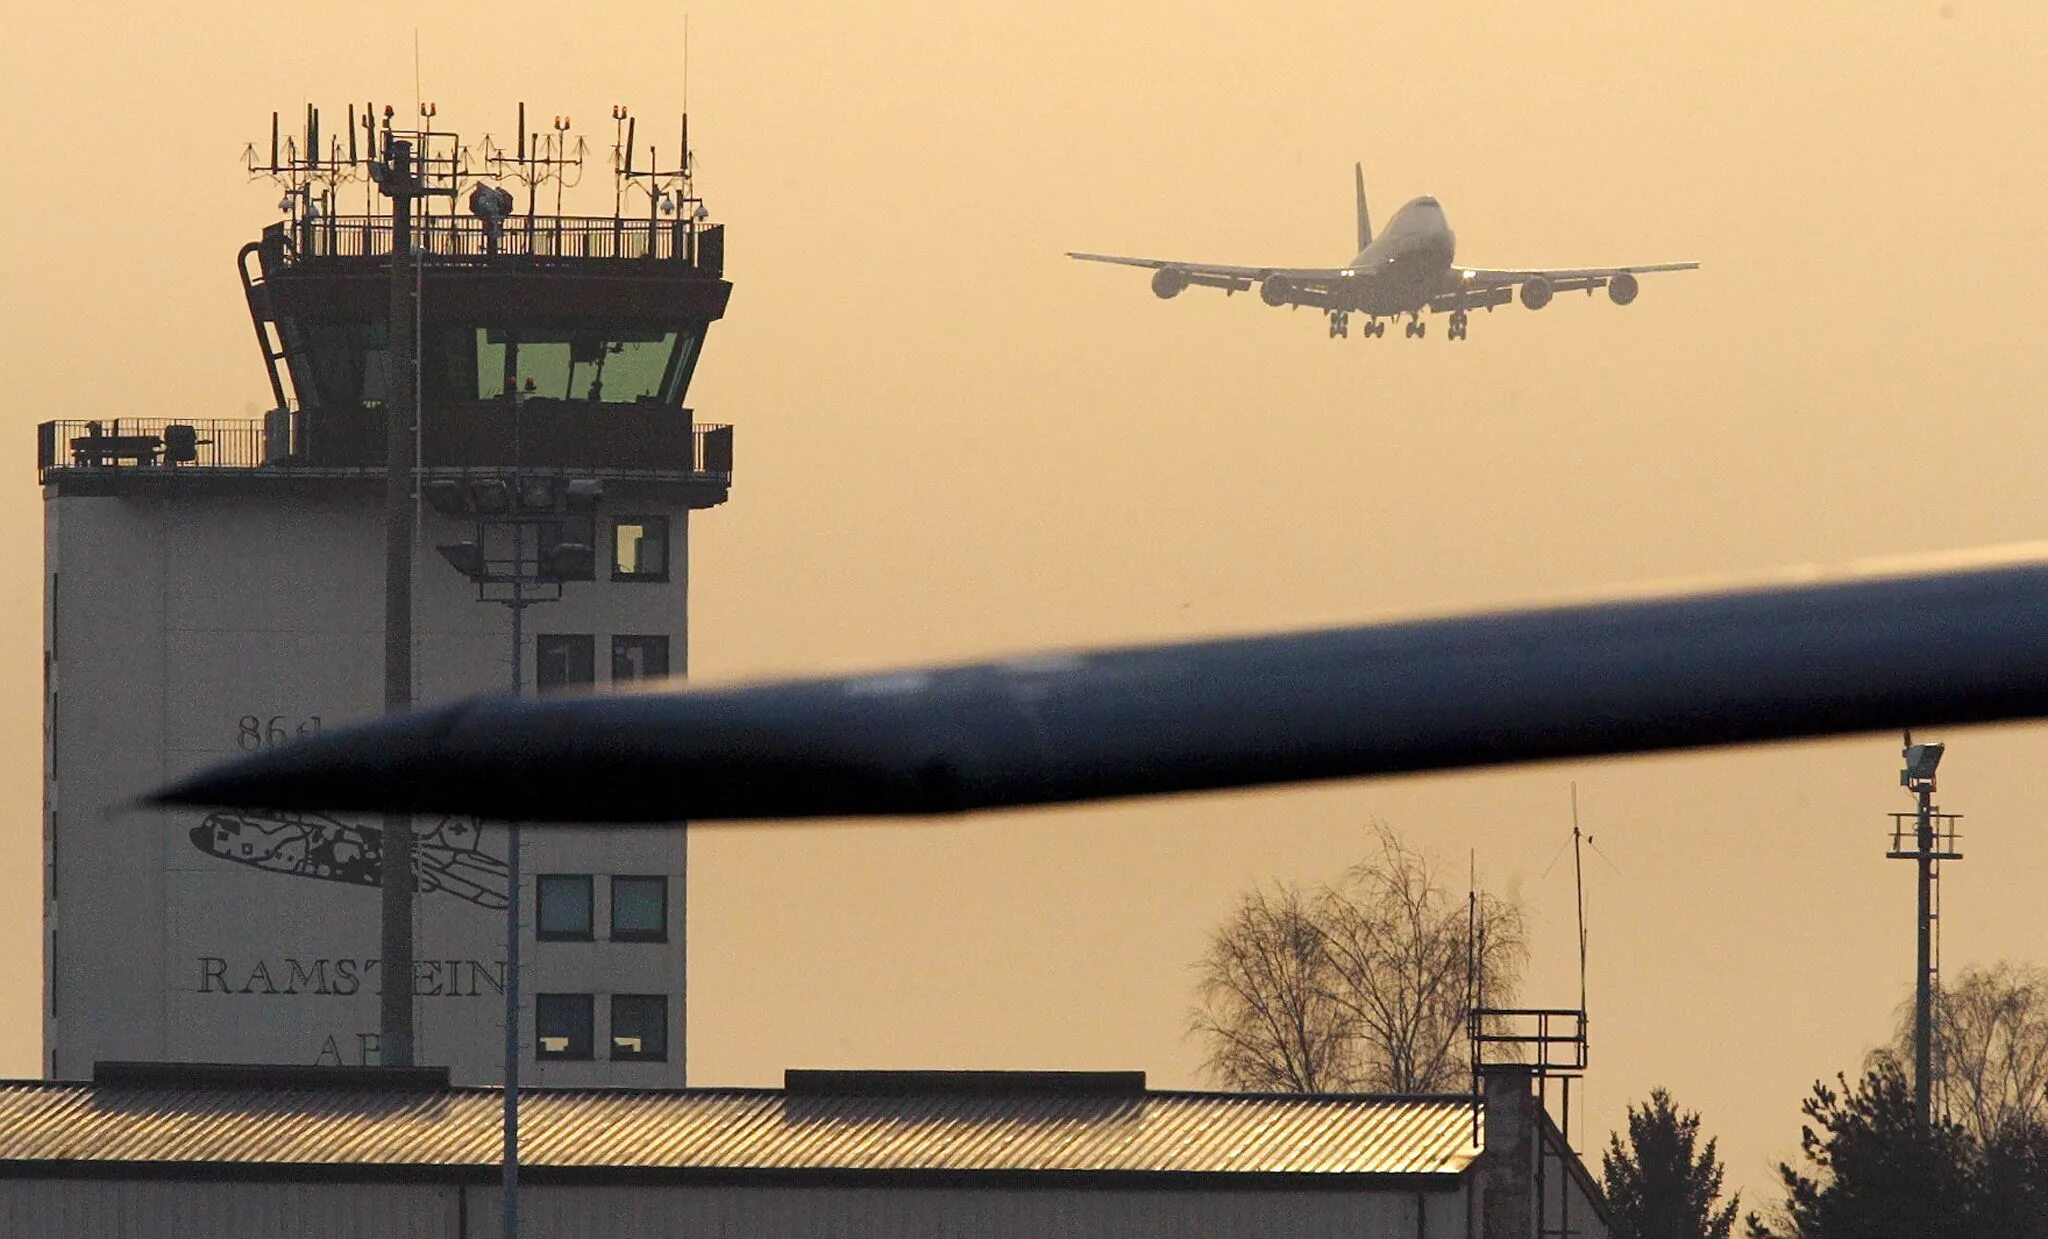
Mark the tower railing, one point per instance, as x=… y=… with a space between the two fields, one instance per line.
x=165 y=448
x=545 y=237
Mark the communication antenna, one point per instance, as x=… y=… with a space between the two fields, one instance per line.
x=1579 y=887
x=307 y=168
x=538 y=158
x=670 y=191
x=1474 y=999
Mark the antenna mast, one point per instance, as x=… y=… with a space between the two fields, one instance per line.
x=1579 y=885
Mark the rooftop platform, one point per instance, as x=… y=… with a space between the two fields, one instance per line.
x=656 y=446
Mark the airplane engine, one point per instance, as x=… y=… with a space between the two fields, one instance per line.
x=1536 y=292
x=1276 y=290
x=1168 y=282
x=1622 y=289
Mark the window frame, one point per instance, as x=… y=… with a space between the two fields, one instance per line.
x=540 y=639
x=649 y=638
x=659 y=1002
x=588 y=1004
x=540 y=931
x=659 y=935
x=667 y=547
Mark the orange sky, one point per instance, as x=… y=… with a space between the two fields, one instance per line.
x=954 y=442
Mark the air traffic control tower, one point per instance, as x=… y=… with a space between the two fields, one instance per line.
x=217 y=587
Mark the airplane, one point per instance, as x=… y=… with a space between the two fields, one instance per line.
x=1406 y=269
x=1868 y=651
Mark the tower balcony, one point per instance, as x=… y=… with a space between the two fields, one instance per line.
x=655 y=447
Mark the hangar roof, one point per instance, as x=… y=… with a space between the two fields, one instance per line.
x=829 y=1124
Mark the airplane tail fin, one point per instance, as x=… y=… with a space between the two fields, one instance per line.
x=1364 y=218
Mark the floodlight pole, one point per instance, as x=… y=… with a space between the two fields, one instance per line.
x=1923 y=978
x=512 y=1038
x=395 y=1024
x=1934 y=840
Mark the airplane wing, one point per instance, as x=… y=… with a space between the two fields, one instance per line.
x=1304 y=285
x=1476 y=287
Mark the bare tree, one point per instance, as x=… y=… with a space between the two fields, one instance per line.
x=1990 y=1048
x=1266 y=1009
x=1407 y=970
x=1362 y=986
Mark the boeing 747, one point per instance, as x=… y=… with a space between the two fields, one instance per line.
x=1408 y=268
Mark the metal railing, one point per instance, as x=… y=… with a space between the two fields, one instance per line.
x=460 y=237
x=148 y=443
x=163 y=448
x=1548 y=1040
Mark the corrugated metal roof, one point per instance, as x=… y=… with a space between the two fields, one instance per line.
x=740 y=1130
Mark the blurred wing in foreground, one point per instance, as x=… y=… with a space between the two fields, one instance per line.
x=1868 y=654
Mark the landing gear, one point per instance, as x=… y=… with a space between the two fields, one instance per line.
x=1458 y=324
x=1375 y=328
x=1340 y=324
x=1416 y=328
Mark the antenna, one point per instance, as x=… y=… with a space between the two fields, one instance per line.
x=308 y=169
x=1472 y=992
x=539 y=159
x=1579 y=885
x=669 y=190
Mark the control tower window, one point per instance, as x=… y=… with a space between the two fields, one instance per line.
x=615 y=366
x=640 y=1027
x=563 y=912
x=639 y=908
x=561 y=660
x=640 y=548
x=350 y=364
x=639 y=658
x=561 y=1025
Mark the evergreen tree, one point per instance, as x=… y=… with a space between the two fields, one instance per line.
x=1872 y=1173
x=1662 y=1184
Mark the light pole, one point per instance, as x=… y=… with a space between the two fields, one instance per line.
x=394 y=175
x=540 y=510
x=1933 y=840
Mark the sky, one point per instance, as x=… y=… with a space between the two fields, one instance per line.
x=954 y=443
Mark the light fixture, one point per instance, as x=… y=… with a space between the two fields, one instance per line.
x=568 y=561
x=490 y=495
x=1921 y=760
x=537 y=494
x=465 y=557
x=583 y=494
x=445 y=496
x=490 y=203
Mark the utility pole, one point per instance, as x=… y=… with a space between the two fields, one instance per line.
x=395 y=177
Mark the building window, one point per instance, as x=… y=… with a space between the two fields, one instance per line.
x=564 y=911
x=640 y=548
x=640 y=1027
x=639 y=658
x=561 y=1025
x=562 y=660
x=639 y=909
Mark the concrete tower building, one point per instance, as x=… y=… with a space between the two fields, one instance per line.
x=214 y=587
